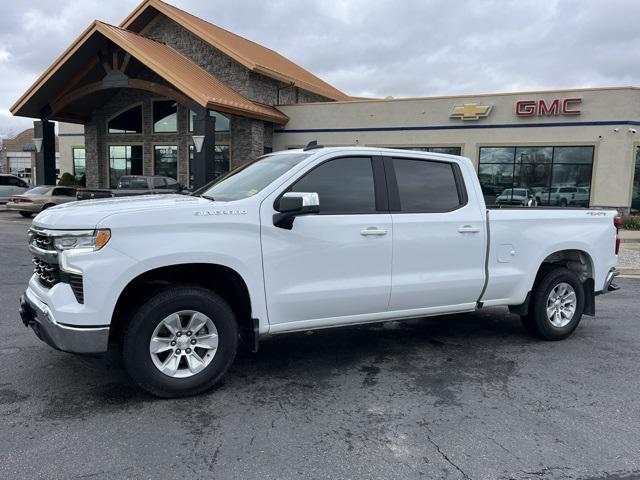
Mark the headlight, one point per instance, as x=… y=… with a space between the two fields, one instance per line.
x=91 y=240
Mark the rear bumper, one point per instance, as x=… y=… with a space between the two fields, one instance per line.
x=609 y=286
x=24 y=207
x=37 y=315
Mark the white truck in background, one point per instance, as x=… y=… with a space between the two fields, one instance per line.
x=300 y=240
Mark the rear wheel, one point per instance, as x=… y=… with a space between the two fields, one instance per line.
x=556 y=306
x=48 y=205
x=180 y=342
x=26 y=214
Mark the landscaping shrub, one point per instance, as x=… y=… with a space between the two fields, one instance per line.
x=631 y=222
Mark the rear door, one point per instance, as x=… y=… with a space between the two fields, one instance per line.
x=438 y=236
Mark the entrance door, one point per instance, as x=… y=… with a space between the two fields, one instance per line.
x=334 y=264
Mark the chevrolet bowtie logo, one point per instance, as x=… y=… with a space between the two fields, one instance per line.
x=471 y=111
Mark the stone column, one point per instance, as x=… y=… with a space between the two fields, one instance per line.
x=46 y=157
x=203 y=161
x=247 y=140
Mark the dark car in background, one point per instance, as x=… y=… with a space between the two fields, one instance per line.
x=131 y=185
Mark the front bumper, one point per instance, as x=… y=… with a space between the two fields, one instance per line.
x=37 y=315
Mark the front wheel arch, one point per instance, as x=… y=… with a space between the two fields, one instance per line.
x=220 y=279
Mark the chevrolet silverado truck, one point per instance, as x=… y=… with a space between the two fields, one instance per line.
x=132 y=185
x=302 y=240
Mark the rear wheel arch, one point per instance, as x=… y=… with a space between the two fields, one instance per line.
x=575 y=260
x=222 y=280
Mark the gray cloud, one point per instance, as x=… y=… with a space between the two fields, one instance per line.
x=372 y=47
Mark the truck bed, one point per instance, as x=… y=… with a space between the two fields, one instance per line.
x=521 y=238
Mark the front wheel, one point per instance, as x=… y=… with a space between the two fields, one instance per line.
x=180 y=342
x=26 y=214
x=556 y=306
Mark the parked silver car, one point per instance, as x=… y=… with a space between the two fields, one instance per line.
x=40 y=198
x=11 y=185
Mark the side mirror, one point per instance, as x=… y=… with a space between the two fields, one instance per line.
x=294 y=204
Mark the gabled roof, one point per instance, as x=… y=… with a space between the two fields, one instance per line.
x=253 y=56
x=187 y=77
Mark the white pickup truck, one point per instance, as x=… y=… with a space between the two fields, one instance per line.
x=300 y=240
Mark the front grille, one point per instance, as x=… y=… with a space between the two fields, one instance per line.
x=42 y=240
x=48 y=273
x=46 y=268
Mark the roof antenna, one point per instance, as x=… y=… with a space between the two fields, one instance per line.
x=312 y=145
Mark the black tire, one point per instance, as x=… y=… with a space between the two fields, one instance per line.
x=563 y=202
x=138 y=332
x=48 y=205
x=26 y=214
x=536 y=322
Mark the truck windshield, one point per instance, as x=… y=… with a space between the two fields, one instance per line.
x=249 y=179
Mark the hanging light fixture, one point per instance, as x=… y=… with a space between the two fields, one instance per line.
x=38 y=143
x=198 y=142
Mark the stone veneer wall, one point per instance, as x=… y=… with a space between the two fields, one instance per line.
x=248 y=137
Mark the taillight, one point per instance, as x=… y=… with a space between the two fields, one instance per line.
x=20 y=200
x=617 y=222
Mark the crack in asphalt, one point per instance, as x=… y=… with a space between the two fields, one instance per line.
x=447 y=459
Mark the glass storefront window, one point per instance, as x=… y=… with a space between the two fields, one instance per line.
x=124 y=160
x=222 y=122
x=127 y=122
x=447 y=150
x=557 y=176
x=79 y=163
x=534 y=154
x=165 y=161
x=165 y=116
x=497 y=155
x=635 y=199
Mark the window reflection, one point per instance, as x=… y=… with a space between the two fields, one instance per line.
x=557 y=176
x=165 y=116
x=129 y=121
x=124 y=160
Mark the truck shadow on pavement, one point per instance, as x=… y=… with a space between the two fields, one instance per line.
x=427 y=356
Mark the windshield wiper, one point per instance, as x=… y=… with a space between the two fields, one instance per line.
x=208 y=197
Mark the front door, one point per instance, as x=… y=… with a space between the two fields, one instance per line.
x=333 y=267
x=438 y=237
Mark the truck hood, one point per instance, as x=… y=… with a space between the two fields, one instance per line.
x=87 y=214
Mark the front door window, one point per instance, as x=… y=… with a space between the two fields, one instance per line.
x=165 y=161
x=124 y=160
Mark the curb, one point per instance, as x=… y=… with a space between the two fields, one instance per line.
x=630 y=240
x=629 y=271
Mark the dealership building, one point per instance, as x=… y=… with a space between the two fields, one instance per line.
x=168 y=93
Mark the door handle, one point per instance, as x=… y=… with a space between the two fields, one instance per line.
x=373 y=231
x=468 y=229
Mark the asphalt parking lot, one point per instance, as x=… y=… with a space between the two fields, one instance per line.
x=462 y=397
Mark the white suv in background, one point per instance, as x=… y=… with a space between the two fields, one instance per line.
x=11 y=185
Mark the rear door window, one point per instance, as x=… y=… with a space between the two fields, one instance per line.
x=426 y=186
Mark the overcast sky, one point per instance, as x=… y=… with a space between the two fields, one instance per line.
x=371 y=47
